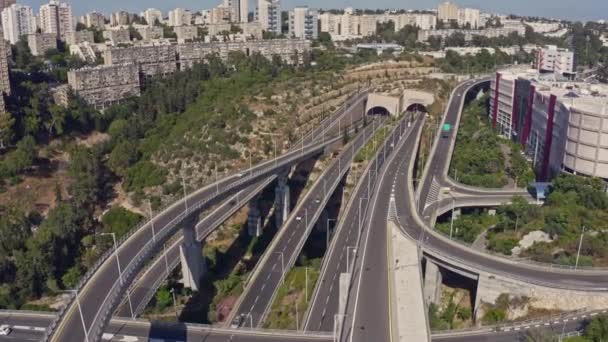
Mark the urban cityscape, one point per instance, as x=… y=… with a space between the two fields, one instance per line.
x=260 y=172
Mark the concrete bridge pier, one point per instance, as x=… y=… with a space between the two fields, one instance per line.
x=254 y=220
x=432 y=283
x=194 y=265
x=282 y=199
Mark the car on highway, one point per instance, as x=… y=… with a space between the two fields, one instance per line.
x=236 y=322
x=298 y=218
x=5 y=330
x=317 y=200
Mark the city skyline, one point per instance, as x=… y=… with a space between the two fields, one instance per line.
x=587 y=10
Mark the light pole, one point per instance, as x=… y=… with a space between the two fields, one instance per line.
x=452 y=218
x=360 y=201
x=282 y=267
x=84 y=327
x=122 y=280
x=306 y=284
x=151 y=221
x=184 y=188
x=348 y=249
x=580 y=243
x=327 y=234
x=250 y=319
x=174 y=303
x=338 y=319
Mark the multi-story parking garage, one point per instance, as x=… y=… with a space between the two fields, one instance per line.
x=562 y=125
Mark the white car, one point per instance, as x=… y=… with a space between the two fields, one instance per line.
x=299 y=218
x=5 y=330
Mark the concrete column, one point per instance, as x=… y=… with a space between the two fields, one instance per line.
x=492 y=212
x=193 y=263
x=343 y=292
x=282 y=200
x=457 y=213
x=254 y=220
x=432 y=283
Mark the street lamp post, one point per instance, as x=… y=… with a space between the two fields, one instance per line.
x=151 y=221
x=184 y=188
x=348 y=249
x=327 y=234
x=580 y=244
x=174 y=303
x=360 y=201
x=84 y=326
x=282 y=267
x=122 y=280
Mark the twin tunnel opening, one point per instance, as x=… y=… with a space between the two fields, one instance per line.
x=383 y=111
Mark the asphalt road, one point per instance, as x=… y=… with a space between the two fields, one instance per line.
x=29 y=327
x=95 y=298
x=438 y=245
x=281 y=254
x=146 y=285
x=367 y=310
x=441 y=159
x=324 y=303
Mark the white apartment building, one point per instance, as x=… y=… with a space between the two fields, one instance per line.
x=447 y=11
x=219 y=15
x=152 y=15
x=304 y=23
x=349 y=26
x=469 y=17
x=239 y=10
x=18 y=20
x=268 y=14
x=94 y=19
x=56 y=17
x=426 y=21
x=553 y=59
x=180 y=17
x=244 y=11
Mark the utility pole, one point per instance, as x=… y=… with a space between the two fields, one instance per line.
x=580 y=243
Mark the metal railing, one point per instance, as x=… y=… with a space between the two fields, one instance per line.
x=92 y=270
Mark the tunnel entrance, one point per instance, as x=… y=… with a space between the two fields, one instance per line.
x=379 y=111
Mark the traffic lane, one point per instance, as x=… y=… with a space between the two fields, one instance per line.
x=143 y=286
x=325 y=304
x=258 y=298
x=537 y=275
x=107 y=276
x=372 y=316
x=520 y=334
x=140 y=291
x=440 y=158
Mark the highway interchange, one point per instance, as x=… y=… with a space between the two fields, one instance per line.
x=370 y=272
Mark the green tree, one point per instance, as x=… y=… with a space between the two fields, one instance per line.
x=6 y=128
x=85 y=171
x=163 y=298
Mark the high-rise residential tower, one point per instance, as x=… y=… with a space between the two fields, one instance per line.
x=56 y=17
x=268 y=14
x=17 y=21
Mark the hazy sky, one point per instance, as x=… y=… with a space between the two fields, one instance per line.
x=570 y=9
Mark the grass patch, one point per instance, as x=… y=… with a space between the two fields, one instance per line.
x=291 y=295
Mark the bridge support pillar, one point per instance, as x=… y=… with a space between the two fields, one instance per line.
x=193 y=263
x=282 y=200
x=432 y=283
x=457 y=213
x=254 y=220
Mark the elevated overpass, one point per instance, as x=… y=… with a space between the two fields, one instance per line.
x=135 y=249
